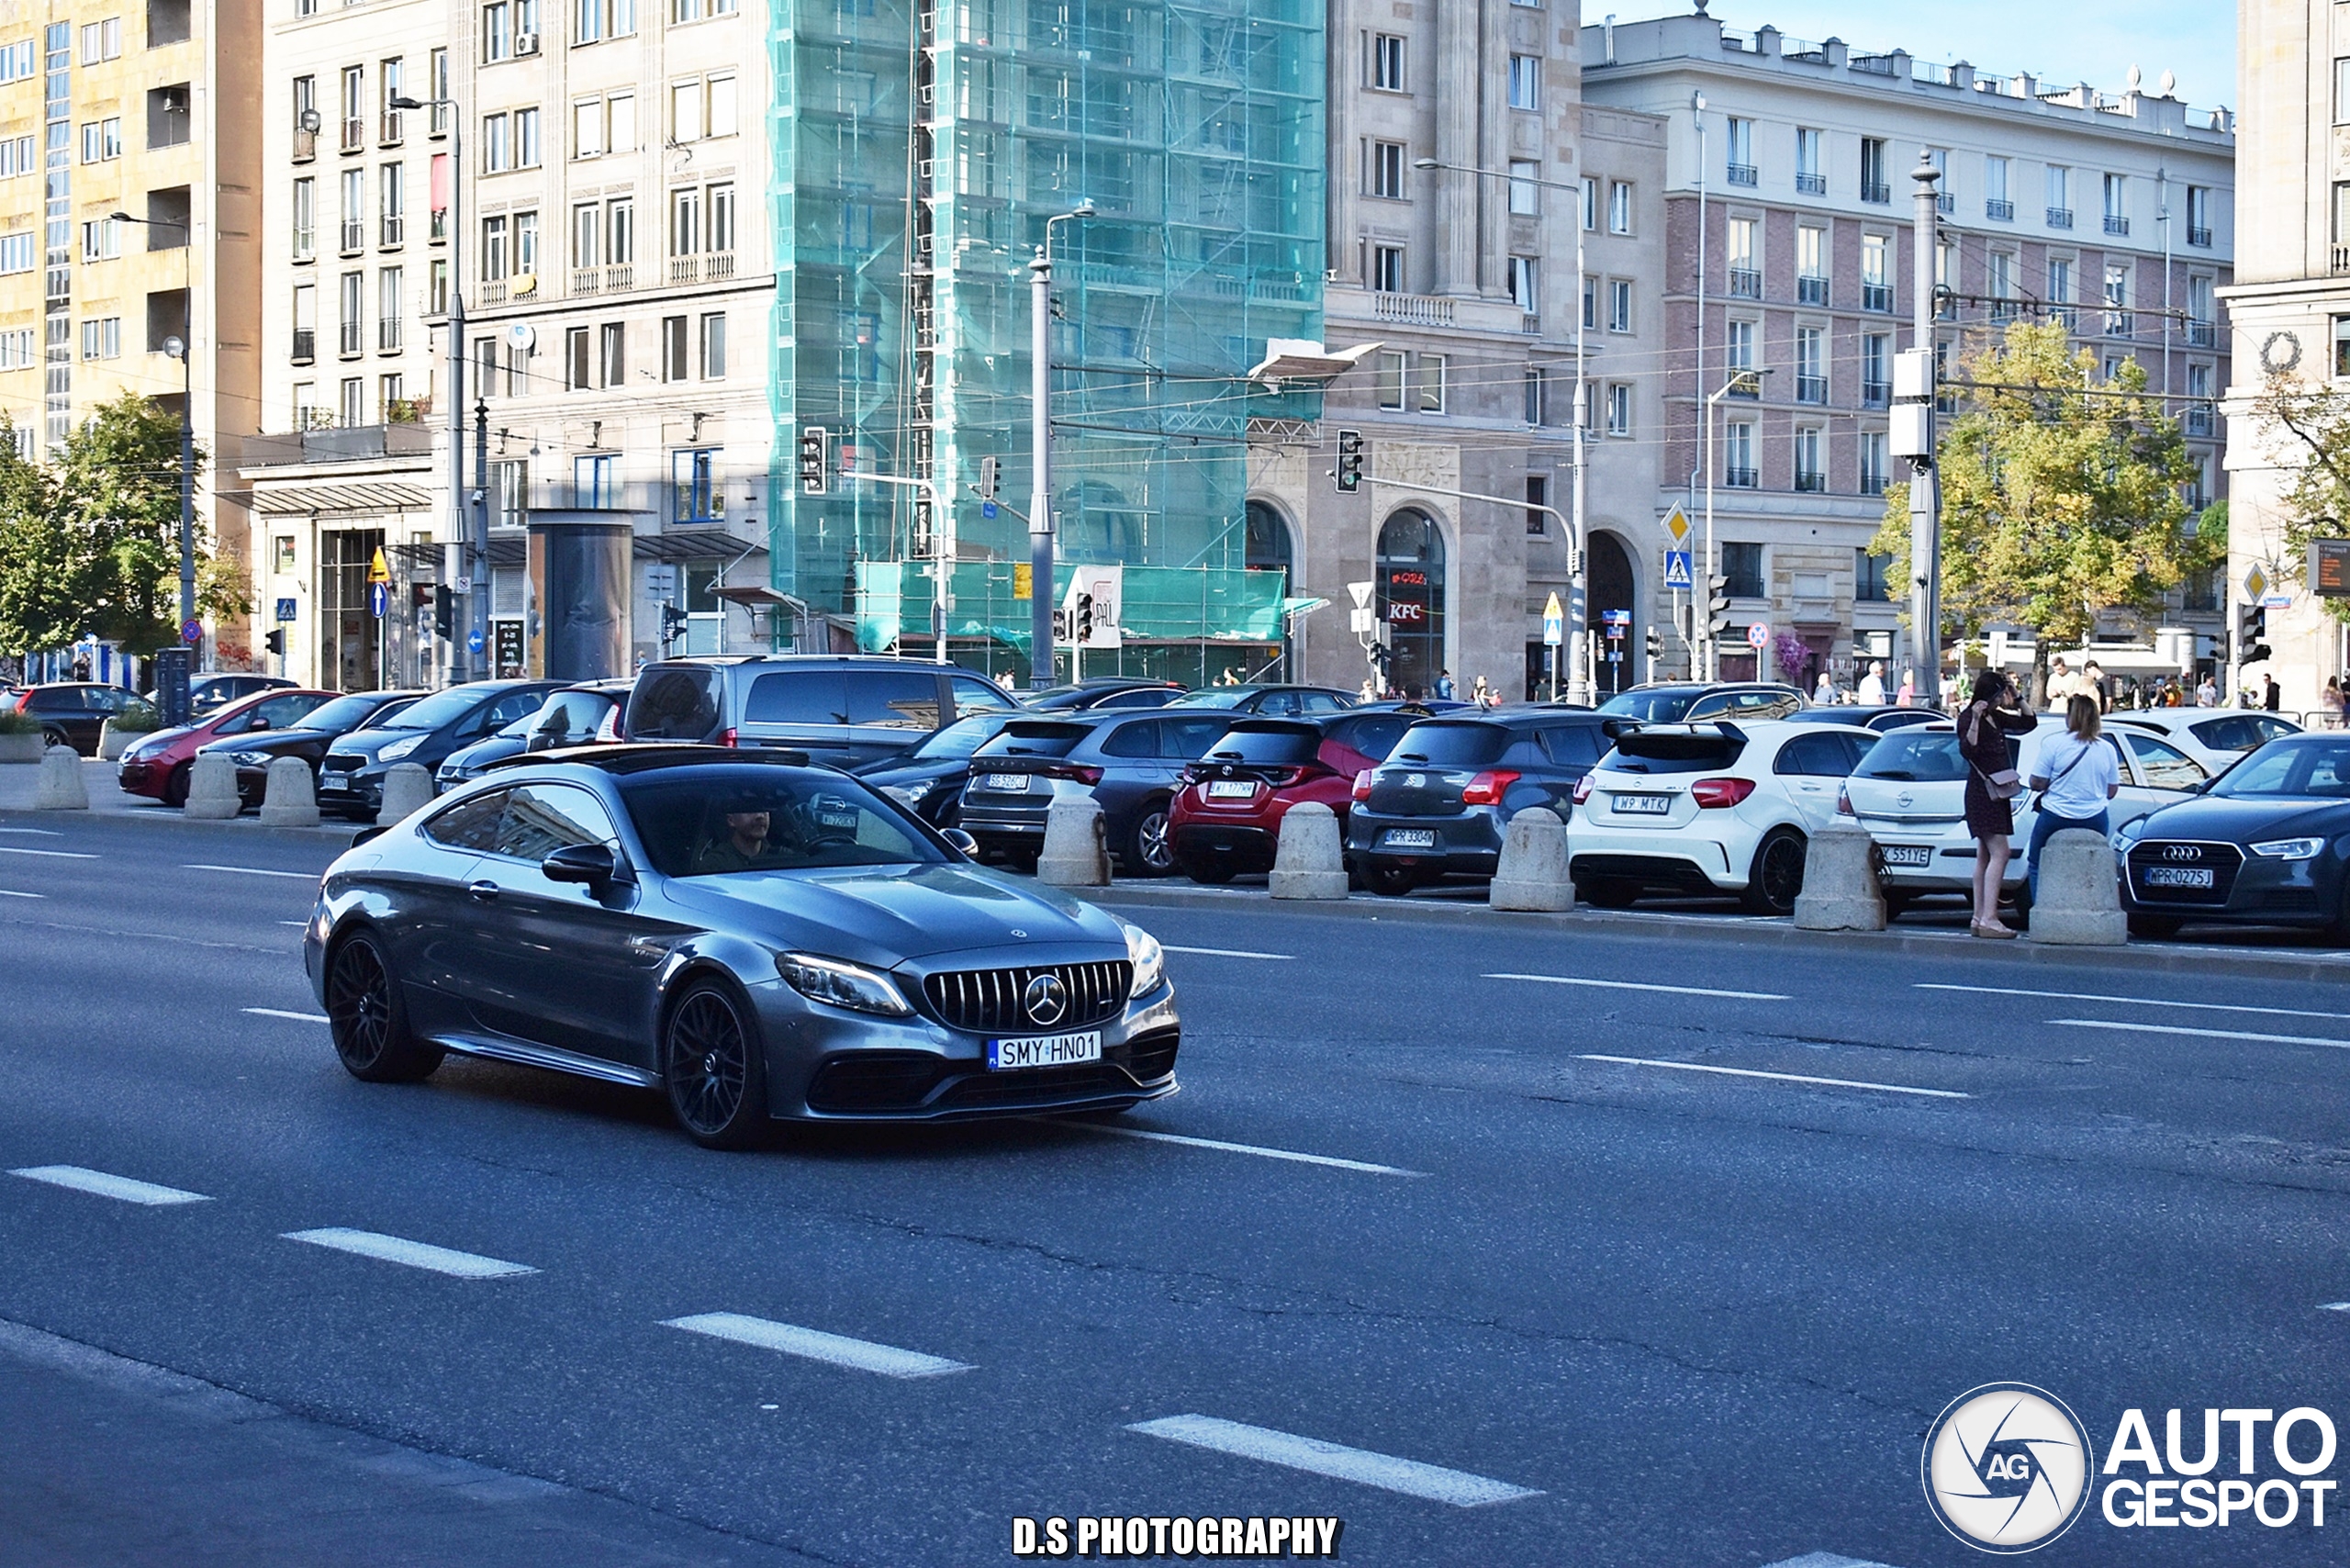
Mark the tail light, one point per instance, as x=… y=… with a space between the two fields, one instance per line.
x=1843 y=801
x=1487 y=788
x=1362 y=784
x=1583 y=788
x=1710 y=794
x=727 y=737
x=1083 y=775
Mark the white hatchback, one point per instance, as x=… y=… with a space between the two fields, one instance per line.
x=1709 y=808
x=2216 y=737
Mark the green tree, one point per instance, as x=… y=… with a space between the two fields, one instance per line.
x=2306 y=430
x=2061 y=494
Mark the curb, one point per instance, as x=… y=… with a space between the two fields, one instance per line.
x=2159 y=957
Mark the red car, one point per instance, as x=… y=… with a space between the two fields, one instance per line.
x=157 y=766
x=1226 y=816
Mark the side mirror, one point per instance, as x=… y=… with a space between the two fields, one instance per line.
x=539 y=741
x=593 y=864
x=259 y=722
x=961 y=840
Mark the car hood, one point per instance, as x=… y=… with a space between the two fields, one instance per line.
x=271 y=741
x=886 y=914
x=2239 y=821
x=481 y=753
x=367 y=743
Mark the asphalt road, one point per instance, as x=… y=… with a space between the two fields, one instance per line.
x=1630 y=1313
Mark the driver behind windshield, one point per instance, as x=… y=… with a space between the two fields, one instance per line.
x=739 y=839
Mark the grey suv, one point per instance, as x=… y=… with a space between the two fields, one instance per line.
x=840 y=710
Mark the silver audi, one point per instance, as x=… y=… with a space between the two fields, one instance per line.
x=758 y=939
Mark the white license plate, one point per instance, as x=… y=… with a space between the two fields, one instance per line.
x=335 y=780
x=1008 y=783
x=1044 y=1050
x=1408 y=838
x=1231 y=790
x=1643 y=805
x=1914 y=854
x=2178 y=876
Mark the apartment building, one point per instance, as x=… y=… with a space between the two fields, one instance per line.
x=1788 y=210
x=2288 y=311
x=129 y=213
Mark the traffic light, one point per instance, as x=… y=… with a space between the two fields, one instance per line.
x=444 y=612
x=1081 y=625
x=815 y=456
x=1656 y=644
x=673 y=623
x=991 y=478
x=1349 y=470
x=1718 y=606
x=275 y=641
x=2252 y=626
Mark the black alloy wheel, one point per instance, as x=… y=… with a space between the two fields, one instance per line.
x=55 y=737
x=1390 y=881
x=1150 y=847
x=176 y=786
x=367 y=1017
x=710 y=1067
x=1776 y=876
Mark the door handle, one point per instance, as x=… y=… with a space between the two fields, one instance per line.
x=485 y=891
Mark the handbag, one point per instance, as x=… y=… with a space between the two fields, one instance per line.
x=2004 y=785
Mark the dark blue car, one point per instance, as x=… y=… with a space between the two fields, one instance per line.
x=2268 y=843
x=1131 y=762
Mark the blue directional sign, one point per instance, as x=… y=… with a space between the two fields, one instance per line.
x=379 y=599
x=287 y=610
x=1677 y=574
x=473 y=640
x=986 y=508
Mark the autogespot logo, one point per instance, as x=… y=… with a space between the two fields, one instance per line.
x=2007 y=1467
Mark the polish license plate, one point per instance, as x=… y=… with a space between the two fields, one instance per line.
x=1231 y=790
x=1915 y=856
x=1408 y=838
x=1044 y=1050
x=1008 y=783
x=1643 y=805
x=2178 y=876
x=334 y=781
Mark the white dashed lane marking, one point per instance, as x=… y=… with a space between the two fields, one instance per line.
x=1408 y=1476
x=414 y=1254
x=815 y=1344
x=46 y=853
x=254 y=871
x=12 y=893
x=1258 y=1151
x=1638 y=985
x=2137 y=1000
x=1226 y=953
x=2197 y=1034
x=282 y=1012
x=1781 y=1077
x=1824 y=1559
x=105 y=1186
x=34 y=832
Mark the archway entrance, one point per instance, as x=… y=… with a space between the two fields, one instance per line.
x=1411 y=586
x=1269 y=550
x=1611 y=589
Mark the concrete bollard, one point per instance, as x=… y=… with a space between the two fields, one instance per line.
x=1307 y=862
x=408 y=789
x=291 y=799
x=1077 y=851
x=1533 y=872
x=1839 y=888
x=2080 y=892
x=60 y=787
x=212 y=789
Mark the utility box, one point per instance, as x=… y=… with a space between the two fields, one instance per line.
x=1911 y=432
x=1913 y=375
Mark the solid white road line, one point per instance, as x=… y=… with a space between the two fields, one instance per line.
x=254 y=871
x=415 y=1254
x=282 y=1012
x=1781 y=1077
x=2197 y=1034
x=2335 y=1307
x=1262 y=1153
x=34 y=832
x=1408 y=1476
x=860 y=1355
x=105 y=1186
x=2139 y=1001
x=1227 y=952
x=46 y=853
x=1637 y=985
x=1824 y=1559
x=12 y=893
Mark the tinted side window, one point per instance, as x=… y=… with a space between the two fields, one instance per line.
x=1318 y=702
x=1813 y=757
x=513 y=706
x=975 y=696
x=539 y=818
x=2164 y=766
x=797 y=697
x=895 y=699
x=1187 y=740
x=1132 y=740
x=279 y=713
x=54 y=703
x=674 y=705
x=1374 y=738
x=471 y=826
x=1572 y=745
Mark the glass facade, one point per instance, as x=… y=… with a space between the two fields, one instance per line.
x=919 y=150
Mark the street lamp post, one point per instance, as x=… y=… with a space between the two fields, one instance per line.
x=1578 y=537
x=1925 y=489
x=462 y=543
x=1040 y=455
x=174 y=693
x=1747 y=382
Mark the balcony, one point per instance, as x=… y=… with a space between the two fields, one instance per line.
x=1877 y=296
x=388 y=128
x=492 y=291
x=387 y=334
x=2115 y=224
x=1811 y=389
x=2118 y=324
x=1412 y=309
x=2197 y=421
x=1742 y=175
x=1531 y=323
x=1876 y=394
x=1741 y=478
x=355 y=235
x=1873 y=485
x=2003 y=311
x=393 y=231
x=306 y=344
x=306 y=145
x=1879 y=193
x=1744 y=383
x=354 y=339
x=1811 y=291
x=1745 y=282
x=2341 y=260
x=355 y=135
x=1998 y=211
x=2202 y=334
x=2199 y=238
x=1811 y=185
x=1812 y=482
x=2060 y=218
x=717 y=267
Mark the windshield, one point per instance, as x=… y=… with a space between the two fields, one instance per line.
x=1286 y=747
x=1663 y=707
x=707 y=822
x=1036 y=738
x=1462 y=745
x=342 y=713
x=2319 y=767
x=441 y=708
x=960 y=738
x=1911 y=758
x=1215 y=696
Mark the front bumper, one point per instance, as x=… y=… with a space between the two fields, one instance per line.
x=143 y=777
x=1469 y=842
x=2262 y=891
x=353 y=794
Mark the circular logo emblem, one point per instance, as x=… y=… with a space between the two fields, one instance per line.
x=2182 y=852
x=1046 y=1000
x=2007 y=1467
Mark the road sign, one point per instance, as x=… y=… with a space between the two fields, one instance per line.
x=192 y=633
x=379 y=570
x=1616 y=617
x=1677 y=526
x=661 y=580
x=1023 y=581
x=1758 y=636
x=2255 y=583
x=1678 y=573
x=986 y=508
x=2277 y=602
x=1361 y=621
x=1554 y=622
x=379 y=598
x=473 y=640
x=287 y=610
x=1362 y=593
x=2328 y=567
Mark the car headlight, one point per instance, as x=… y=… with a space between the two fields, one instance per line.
x=400 y=749
x=251 y=758
x=909 y=794
x=2290 y=849
x=839 y=985
x=2127 y=834
x=1148 y=959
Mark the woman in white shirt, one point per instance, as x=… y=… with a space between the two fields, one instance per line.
x=2077 y=773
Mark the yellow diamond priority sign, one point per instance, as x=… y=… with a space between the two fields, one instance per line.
x=1676 y=527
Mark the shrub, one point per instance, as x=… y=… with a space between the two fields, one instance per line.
x=137 y=719
x=14 y=723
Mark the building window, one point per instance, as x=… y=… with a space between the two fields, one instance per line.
x=496 y=32
x=1391 y=379
x=101 y=240
x=613 y=358
x=699 y=498
x=1387 y=63
x=2117 y=204
x=15 y=253
x=593 y=479
x=1619 y=409
x=1811 y=265
x=1738 y=348
x=1387 y=169
x=1525 y=284
x=306 y=323
x=1875 y=186
x=390 y=130
x=2000 y=269
x=101 y=139
x=1738 y=454
x=306 y=219
x=2117 y=295
x=1996 y=205
x=308 y=415
x=388 y=312
x=437 y=70
x=352 y=405
x=1744 y=267
x=713 y=346
x=1873 y=470
x=1742 y=564
x=1810 y=473
x=526 y=244
x=1811 y=178
x=1876 y=280
x=391 y=393
x=1591 y=302
x=1387 y=269
x=354 y=108
x=1619 y=305
x=352 y=320
x=102 y=338
x=2059 y=288
x=1590 y=203
x=391 y=204
x=526 y=139
x=1739 y=151
x=1871 y=575
x=675 y=348
x=1877 y=369
x=496 y=262
x=102 y=40
x=1619 y=208
x=353 y=228
x=2060 y=196
x=1537 y=494
x=1428 y=375
x=496 y=144
x=1525 y=81
x=1811 y=364
x=2199 y=216
x=436 y=288
x=1525 y=195
x=575 y=377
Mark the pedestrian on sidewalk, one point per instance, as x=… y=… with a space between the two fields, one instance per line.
x=1872 y=684
x=2077 y=773
x=2330 y=700
x=1994 y=713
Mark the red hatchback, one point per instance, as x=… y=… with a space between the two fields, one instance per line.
x=1226 y=817
x=157 y=766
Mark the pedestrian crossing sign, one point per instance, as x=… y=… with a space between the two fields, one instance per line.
x=1677 y=570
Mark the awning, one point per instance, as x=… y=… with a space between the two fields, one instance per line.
x=694 y=544
x=341 y=500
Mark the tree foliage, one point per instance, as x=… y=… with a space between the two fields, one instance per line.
x=2306 y=430
x=2062 y=493
x=89 y=543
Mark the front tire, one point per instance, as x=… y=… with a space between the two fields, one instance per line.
x=368 y=1017
x=2155 y=927
x=1390 y=881
x=712 y=1068
x=1151 y=848
x=176 y=786
x=1776 y=878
